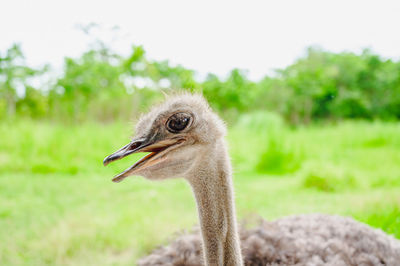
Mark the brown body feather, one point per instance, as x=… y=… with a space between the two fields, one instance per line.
x=301 y=240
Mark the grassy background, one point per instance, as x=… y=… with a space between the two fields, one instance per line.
x=58 y=205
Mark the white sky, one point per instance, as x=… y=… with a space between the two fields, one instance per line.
x=207 y=36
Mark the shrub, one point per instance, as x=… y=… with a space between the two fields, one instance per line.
x=278 y=158
x=327 y=178
x=386 y=217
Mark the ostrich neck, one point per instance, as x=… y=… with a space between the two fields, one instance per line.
x=211 y=182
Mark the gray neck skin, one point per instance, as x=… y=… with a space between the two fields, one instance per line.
x=211 y=182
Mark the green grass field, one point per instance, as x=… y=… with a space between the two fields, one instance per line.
x=58 y=205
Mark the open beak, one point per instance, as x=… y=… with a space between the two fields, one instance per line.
x=157 y=150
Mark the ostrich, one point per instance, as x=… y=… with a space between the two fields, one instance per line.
x=185 y=138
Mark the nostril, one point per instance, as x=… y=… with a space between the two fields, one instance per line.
x=135 y=144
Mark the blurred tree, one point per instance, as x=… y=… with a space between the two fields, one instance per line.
x=103 y=85
x=93 y=76
x=13 y=79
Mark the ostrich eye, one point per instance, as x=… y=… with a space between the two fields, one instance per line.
x=178 y=122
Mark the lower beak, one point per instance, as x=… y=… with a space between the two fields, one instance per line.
x=141 y=145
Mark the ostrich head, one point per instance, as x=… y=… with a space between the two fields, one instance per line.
x=176 y=134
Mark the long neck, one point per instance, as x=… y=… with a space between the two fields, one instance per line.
x=211 y=182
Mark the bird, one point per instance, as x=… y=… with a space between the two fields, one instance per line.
x=185 y=138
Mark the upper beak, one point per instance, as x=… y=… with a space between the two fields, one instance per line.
x=141 y=145
x=132 y=147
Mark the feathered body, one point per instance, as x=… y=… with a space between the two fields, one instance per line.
x=303 y=240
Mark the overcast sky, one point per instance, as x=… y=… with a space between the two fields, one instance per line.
x=207 y=36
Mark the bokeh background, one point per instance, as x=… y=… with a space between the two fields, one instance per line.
x=310 y=91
